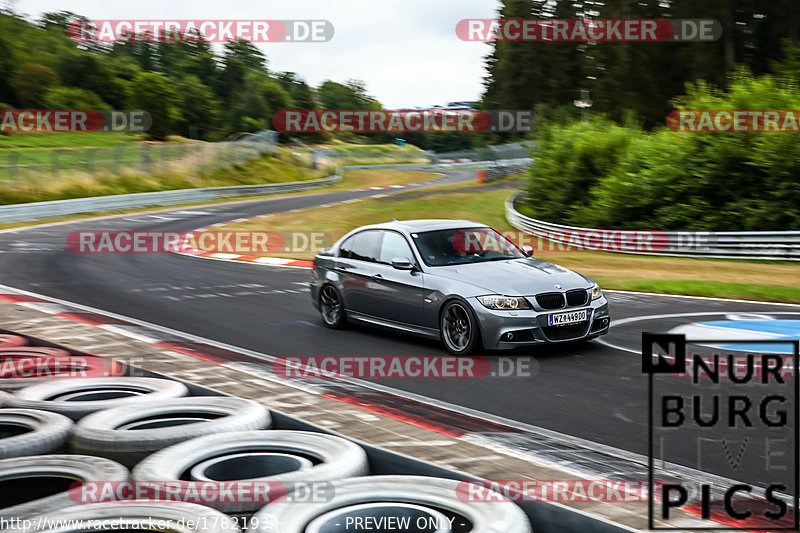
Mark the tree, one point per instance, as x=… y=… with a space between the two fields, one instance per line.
x=155 y=95
x=31 y=82
x=72 y=98
x=199 y=107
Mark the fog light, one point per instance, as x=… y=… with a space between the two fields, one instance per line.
x=509 y=336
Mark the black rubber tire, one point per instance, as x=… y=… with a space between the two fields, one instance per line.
x=461 y=308
x=442 y=494
x=48 y=432
x=336 y=458
x=135 y=516
x=97 y=434
x=40 y=396
x=329 y=291
x=75 y=468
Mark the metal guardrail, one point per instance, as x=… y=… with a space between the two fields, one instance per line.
x=98 y=204
x=768 y=245
x=501 y=171
x=520 y=150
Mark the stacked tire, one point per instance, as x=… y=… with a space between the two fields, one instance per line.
x=63 y=440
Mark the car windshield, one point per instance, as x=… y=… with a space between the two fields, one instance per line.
x=460 y=246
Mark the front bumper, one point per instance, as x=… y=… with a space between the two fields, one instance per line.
x=503 y=330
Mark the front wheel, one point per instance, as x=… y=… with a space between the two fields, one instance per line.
x=459 y=328
x=331 y=307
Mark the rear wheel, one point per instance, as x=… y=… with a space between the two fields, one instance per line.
x=331 y=307
x=459 y=328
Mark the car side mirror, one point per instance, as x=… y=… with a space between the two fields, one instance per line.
x=527 y=250
x=402 y=263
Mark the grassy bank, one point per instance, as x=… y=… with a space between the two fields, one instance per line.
x=353 y=179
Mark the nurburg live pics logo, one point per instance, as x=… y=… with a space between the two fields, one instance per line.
x=739 y=426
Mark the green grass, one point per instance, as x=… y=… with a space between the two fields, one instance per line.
x=71 y=140
x=375 y=154
x=715 y=289
x=351 y=180
x=103 y=182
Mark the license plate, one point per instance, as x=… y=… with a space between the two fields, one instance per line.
x=572 y=317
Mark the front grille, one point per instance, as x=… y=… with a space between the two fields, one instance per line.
x=562 y=333
x=577 y=297
x=550 y=300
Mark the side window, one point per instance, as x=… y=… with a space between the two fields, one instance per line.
x=346 y=249
x=366 y=246
x=394 y=246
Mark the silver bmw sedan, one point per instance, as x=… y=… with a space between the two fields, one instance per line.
x=455 y=280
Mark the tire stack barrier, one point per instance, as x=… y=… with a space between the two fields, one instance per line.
x=140 y=430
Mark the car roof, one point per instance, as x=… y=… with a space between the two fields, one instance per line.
x=427 y=224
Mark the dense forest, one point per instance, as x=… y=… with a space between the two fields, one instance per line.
x=189 y=88
x=621 y=167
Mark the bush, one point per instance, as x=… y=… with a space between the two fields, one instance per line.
x=600 y=174
x=72 y=98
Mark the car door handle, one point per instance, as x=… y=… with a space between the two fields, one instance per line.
x=377 y=276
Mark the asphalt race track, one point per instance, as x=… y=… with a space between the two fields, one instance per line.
x=594 y=391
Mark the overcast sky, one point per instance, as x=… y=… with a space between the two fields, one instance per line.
x=406 y=51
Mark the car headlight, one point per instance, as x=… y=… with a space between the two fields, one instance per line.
x=596 y=292
x=499 y=302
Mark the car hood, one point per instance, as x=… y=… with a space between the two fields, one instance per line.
x=515 y=277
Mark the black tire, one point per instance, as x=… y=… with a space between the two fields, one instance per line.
x=105 y=433
x=442 y=495
x=334 y=457
x=39 y=484
x=458 y=327
x=134 y=516
x=42 y=432
x=100 y=393
x=331 y=307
